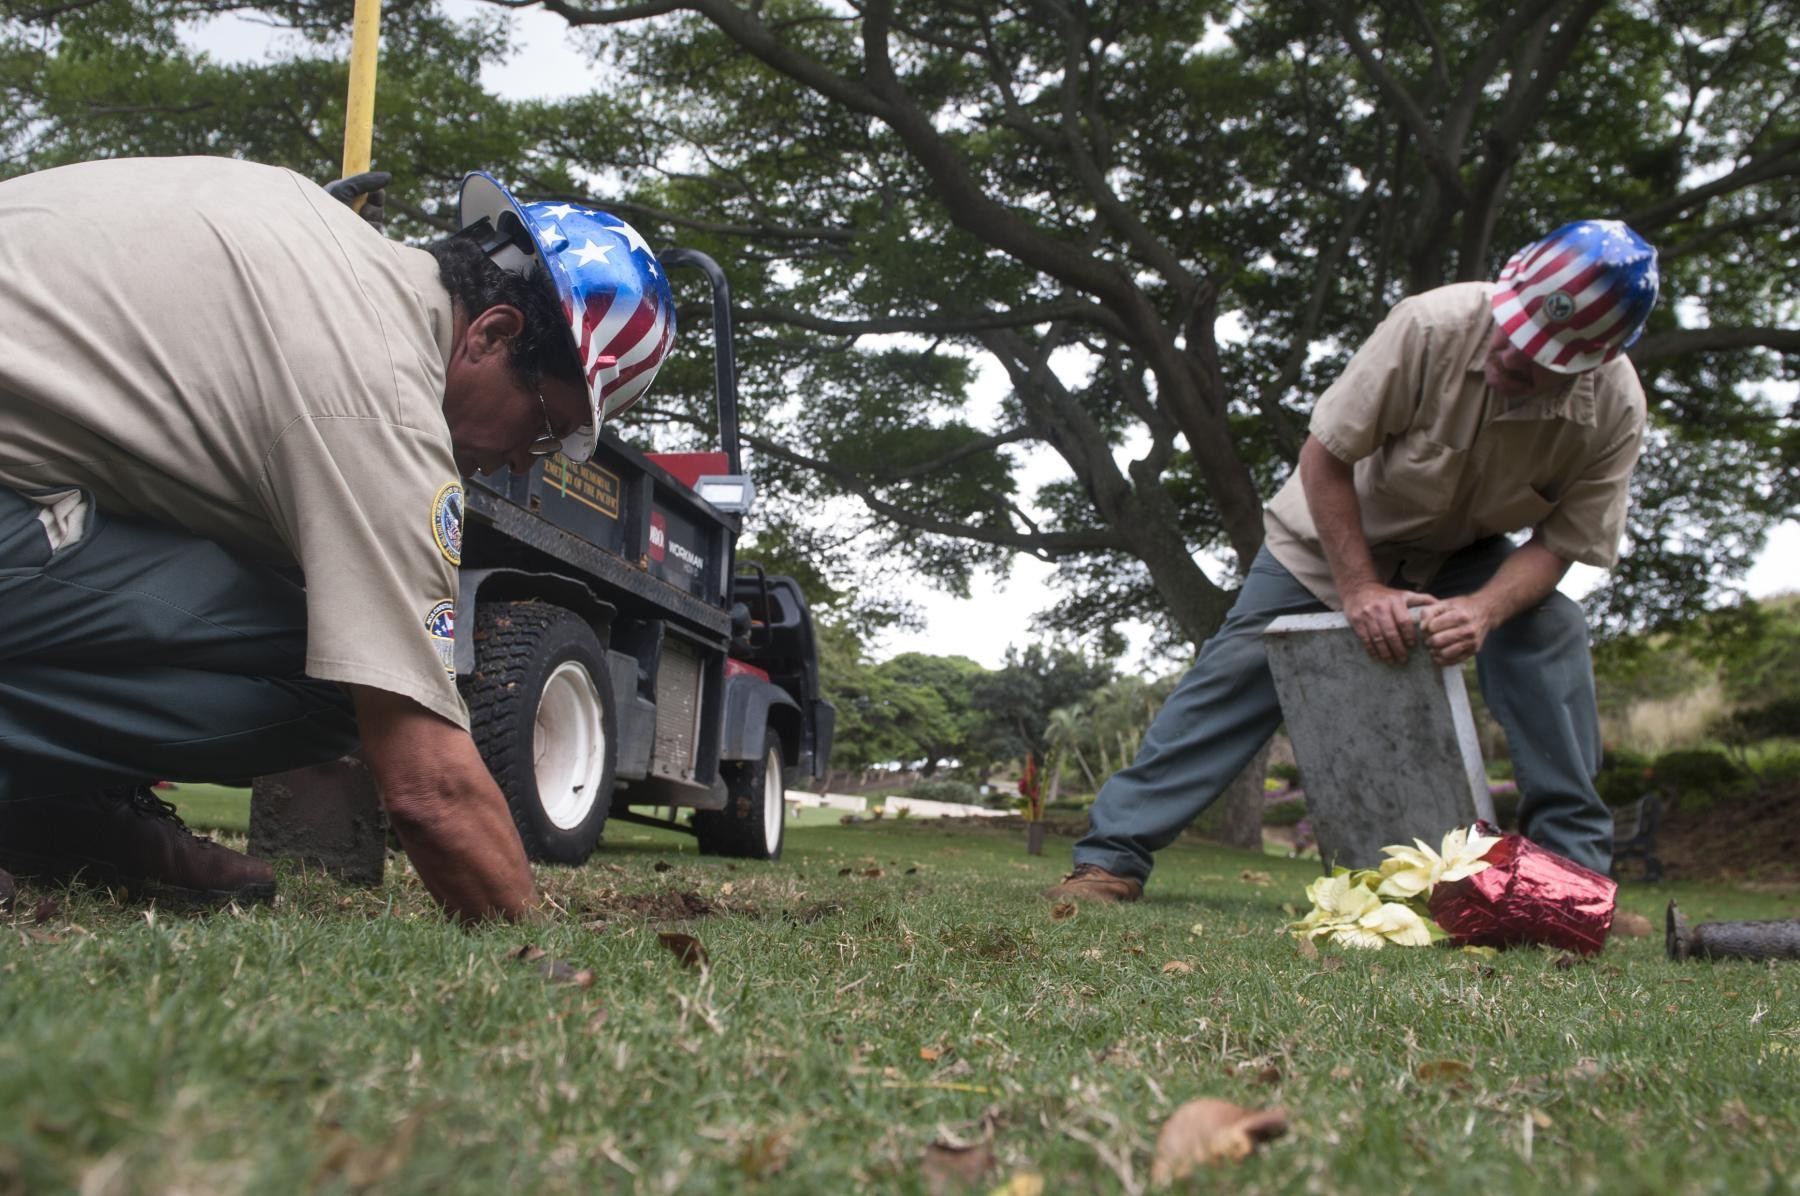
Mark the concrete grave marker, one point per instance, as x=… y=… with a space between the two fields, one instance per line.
x=326 y=815
x=1387 y=753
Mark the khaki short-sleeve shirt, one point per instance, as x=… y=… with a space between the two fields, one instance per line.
x=1441 y=461
x=220 y=346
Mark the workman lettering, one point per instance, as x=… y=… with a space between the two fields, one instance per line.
x=685 y=555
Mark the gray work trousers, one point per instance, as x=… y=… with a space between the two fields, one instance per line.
x=1536 y=676
x=139 y=653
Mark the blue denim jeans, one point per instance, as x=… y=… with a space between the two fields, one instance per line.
x=1536 y=676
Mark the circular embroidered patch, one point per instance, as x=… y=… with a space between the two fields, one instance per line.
x=440 y=625
x=446 y=522
x=1559 y=306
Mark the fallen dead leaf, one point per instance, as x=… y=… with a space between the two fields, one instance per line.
x=1332 y=963
x=554 y=969
x=1197 y=930
x=931 y=1054
x=1632 y=925
x=1026 y=1183
x=1453 y=1071
x=1567 y=960
x=685 y=947
x=1209 y=1131
x=872 y=874
x=1255 y=876
x=596 y=1021
x=949 y=1166
x=764 y=1154
x=662 y=866
x=1093 y=953
x=1062 y=912
x=364 y=1165
x=1307 y=949
x=1177 y=967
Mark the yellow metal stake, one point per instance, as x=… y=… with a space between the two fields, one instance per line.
x=359 y=108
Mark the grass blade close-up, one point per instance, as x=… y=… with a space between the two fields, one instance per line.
x=849 y=1018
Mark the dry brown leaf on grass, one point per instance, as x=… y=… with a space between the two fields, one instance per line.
x=1257 y=877
x=949 y=1166
x=554 y=969
x=931 y=1054
x=1631 y=925
x=364 y=1165
x=762 y=1155
x=1062 y=912
x=1177 y=967
x=1209 y=1131
x=1025 y=1183
x=685 y=948
x=1453 y=1071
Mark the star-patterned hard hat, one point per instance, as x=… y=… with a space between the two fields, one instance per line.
x=1579 y=297
x=621 y=315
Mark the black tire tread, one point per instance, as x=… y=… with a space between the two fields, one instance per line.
x=507 y=635
x=737 y=831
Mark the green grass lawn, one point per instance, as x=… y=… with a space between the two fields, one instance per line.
x=885 y=986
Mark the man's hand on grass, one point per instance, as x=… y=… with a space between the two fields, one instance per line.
x=1455 y=628
x=1382 y=619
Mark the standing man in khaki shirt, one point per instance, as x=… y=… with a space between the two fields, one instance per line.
x=233 y=423
x=1473 y=411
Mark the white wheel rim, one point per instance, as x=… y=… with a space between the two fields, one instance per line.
x=568 y=746
x=774 y=799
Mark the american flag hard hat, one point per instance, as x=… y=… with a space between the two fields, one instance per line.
x=621 y=315
x=1579 y=297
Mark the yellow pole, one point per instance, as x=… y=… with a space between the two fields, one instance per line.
x=359 y=108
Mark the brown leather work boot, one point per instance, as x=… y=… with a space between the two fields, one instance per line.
x=127 y=839
x=1091 y=882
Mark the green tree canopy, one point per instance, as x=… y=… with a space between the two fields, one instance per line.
x=1165 y=225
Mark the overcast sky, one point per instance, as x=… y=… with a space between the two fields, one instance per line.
x=548 y=64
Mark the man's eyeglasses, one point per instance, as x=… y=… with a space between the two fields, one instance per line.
x=549 y=442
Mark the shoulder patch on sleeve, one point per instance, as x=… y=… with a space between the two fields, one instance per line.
x=446 y=521
x=440 y=625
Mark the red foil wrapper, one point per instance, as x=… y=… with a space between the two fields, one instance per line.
x=1527 y=895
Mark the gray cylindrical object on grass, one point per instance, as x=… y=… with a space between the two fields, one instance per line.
x=1778 y=939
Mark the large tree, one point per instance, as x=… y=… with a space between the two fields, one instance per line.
x=1165 y=225
x=1169 y=224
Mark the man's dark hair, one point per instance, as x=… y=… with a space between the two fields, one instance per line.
x=542 y=348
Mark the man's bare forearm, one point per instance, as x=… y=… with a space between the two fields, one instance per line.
x=1377 y=612
x=1330 y=489
x=1523 y=580
x=451 y=817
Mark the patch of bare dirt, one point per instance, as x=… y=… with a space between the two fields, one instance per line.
x=666 y=905
x=1753 y=839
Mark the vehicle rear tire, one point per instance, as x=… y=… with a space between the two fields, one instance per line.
x=753 y=824
x=541 y=711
